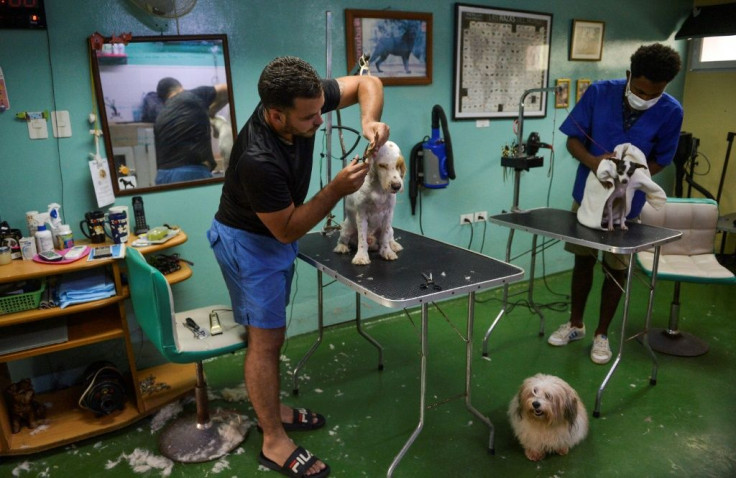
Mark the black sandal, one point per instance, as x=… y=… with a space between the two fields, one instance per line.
x=303 y=421
x=296 y=466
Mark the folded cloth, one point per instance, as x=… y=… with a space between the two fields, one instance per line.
x=591 y=209
x=85 y=286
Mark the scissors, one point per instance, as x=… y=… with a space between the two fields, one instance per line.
x=429 y=282
x=198 y=332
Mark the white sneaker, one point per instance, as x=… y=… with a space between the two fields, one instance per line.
x=601 y=351
x=566 y=334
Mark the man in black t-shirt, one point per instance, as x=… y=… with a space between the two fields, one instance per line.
x=182 y=130
x=263 y=213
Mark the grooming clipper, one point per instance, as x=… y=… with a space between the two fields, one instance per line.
x=215 y=327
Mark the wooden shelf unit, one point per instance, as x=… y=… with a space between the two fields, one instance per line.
x=87 y=323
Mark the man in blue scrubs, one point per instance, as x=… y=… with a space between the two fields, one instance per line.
x=632 y=110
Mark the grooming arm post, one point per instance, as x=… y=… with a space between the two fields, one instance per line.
x=520 y=153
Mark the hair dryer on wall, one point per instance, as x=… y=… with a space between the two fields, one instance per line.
x=431 y=161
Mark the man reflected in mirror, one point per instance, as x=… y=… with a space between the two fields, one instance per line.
x=182 y=130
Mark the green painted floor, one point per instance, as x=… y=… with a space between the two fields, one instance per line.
x=684 y=426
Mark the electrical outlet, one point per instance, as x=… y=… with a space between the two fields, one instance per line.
x=480 y=216
x=466 y=219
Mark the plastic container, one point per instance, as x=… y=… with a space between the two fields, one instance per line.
x=64 y=237
x=27 y=248
x=31 y=222
x=21 y=302
x=44 y=241
x=5 y=255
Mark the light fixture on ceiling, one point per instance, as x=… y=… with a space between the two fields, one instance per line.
x=709 y=21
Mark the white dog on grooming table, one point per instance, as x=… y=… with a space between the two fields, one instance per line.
x=370 y=210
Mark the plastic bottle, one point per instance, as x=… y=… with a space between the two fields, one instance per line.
x=44 y=241
x=64 y=237
x=54 y=218
x=31 y=222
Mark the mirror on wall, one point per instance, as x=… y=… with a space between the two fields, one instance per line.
x=166 y=110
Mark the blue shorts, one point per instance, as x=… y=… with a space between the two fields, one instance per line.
x=182 y=173
x=258 y=271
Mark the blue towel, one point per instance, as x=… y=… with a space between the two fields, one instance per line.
x=85 y=286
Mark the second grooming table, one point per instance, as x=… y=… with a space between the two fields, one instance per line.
x=403 y=283
x=563 y=225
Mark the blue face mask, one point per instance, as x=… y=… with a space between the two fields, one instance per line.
x=637 y=103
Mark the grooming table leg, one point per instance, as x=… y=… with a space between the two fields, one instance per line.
x=365 y=335
x=530 y=296
x=502 y=312
x=320 y=328
x=530 y=292
x=469 y=372
x=647 y=322
x=624 y=319
x=422 y=393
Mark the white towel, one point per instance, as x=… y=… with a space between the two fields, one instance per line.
x=590 y=213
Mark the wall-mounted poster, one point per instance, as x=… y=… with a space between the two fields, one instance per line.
x=500 y=54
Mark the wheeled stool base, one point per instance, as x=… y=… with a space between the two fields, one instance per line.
x=185 y=441
x=678 y=343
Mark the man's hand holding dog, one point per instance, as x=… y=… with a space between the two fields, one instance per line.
x=377 y=133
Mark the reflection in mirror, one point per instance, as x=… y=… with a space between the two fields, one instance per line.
x=166 y=110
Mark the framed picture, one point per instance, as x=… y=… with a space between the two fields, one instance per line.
x=580 y=87
x=562 y=96
x=399 y=45
x=586 y=41
x=499 y=55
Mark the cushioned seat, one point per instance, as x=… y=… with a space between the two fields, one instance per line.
x=691 y=259
x=200 y=436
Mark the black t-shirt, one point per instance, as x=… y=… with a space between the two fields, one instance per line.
x=265 y=173
x=182 y=129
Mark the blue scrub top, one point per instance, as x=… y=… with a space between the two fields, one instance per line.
x=598 y=121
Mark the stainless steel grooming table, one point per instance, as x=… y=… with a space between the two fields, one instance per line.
x=563 y=225
x=403 y=283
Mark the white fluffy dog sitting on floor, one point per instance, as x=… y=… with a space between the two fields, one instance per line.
x=370 y=210
x=547 y=416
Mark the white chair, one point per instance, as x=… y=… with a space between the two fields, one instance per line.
x=691 y=259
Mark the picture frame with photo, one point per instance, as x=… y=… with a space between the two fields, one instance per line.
x=580 y=86
x=562 y=96
x=399 y=45
x=586 y=40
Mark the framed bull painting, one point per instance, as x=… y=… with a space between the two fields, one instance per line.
x=394 y=46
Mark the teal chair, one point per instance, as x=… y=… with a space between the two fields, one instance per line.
x=691 y=259
x=200 y=436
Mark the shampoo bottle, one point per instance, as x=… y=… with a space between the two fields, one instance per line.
x=44 y=241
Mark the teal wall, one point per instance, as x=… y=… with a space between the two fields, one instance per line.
x=49 y=70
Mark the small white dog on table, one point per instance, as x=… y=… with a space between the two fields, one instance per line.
x=370 y=210
x=547 y=416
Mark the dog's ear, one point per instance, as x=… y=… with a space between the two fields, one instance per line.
x=520 y=408
x=571 y=409
x=401 y=166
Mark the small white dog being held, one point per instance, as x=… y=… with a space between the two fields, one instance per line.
x=369 y=211
x=547 y=416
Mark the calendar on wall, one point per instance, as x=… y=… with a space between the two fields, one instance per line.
x=500 y=54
